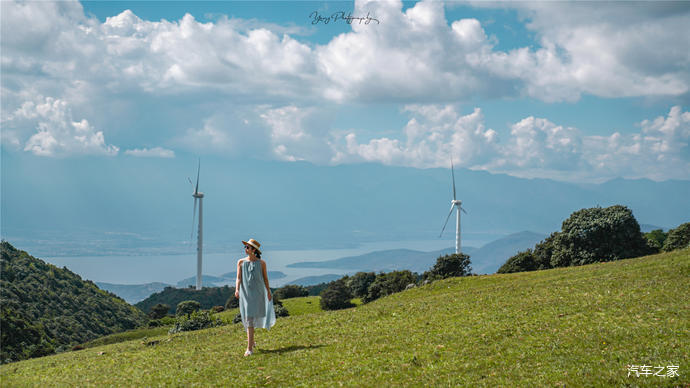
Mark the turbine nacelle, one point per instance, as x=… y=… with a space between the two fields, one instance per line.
x=198 y=195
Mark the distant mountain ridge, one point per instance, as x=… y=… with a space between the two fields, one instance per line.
x=486 y=259
x=133 y=293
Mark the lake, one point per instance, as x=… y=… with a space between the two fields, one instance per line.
x=173 y=268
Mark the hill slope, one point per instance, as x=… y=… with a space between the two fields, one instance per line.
x=46 y=308
x=569 y=326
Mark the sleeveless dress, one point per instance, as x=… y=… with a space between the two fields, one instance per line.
x=255 y=308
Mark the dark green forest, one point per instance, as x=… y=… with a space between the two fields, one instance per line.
x=207 y=297
x=46 y=309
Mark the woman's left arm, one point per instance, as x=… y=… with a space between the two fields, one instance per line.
x=268 y=289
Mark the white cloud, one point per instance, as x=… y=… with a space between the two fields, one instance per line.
x=155 y=152
x=57 y=133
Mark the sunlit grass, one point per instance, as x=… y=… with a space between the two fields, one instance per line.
x=578 y=326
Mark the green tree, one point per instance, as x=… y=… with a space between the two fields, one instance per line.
x=187 y=308
x=521 y=262
x=159 y=311
x=656 y=238
x=359 y=283
x=597 y=235
x=290 y=291
x=389 y=283
x=336 y=296
x=677 y=238
x=449 y=266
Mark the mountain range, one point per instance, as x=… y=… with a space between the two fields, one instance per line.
x=144 y=206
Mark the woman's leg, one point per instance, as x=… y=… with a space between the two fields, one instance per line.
x=250 y=338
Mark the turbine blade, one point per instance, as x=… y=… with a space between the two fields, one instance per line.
x=447 y=218
x=463 y=210
x=197 y=177
x=452 y=170
x=191 y=236
x=190 y=182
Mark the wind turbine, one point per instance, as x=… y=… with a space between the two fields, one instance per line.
x=199 y=242
x=455 y=203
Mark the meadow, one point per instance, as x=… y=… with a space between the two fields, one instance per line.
x=575 y=326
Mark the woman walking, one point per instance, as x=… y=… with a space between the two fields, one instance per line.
x=251 y=287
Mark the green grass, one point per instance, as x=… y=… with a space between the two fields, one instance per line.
x=575 y=326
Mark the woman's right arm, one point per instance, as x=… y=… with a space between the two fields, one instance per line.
x=239 y=279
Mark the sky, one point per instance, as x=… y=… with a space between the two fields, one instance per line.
x=571 y=91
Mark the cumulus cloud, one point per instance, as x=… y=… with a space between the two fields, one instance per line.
x=57 y=133
x=536 y=147
x=155 y=152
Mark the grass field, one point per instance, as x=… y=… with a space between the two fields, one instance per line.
x=579 y=326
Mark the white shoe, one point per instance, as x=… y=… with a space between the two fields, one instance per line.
x=248 y=353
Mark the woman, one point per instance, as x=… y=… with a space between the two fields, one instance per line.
x=251 y=287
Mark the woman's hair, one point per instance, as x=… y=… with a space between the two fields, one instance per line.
x=256 y=251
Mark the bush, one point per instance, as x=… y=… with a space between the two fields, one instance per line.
x=359 y=283
x=521 y=262
x=232 y=302
x=543 y=251
x=597 y=235
x=165 y=321
x=218 y=309
x=449 y=266
x=187 y=307
x=656 y=239
x=336 y=296
x=389 y=283
x=290 y=291
x=159 y=311
x=279 y=309
x=677 y=238
x=196 y=320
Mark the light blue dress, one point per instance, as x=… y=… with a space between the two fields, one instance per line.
x=255 y=308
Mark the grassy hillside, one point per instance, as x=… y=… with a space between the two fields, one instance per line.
x=568 y=326
x=46 y=308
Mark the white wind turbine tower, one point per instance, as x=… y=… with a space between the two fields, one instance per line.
x=199 y=242
x=455 y=203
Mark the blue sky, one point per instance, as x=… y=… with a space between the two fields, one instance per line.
x=577 y=92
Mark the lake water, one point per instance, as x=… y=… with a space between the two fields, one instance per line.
x=173 y=268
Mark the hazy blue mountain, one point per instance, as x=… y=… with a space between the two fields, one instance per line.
x=271 y=275
x=490 y=257
x=140 y=206
x=133 y=293
x=312 y=280
x=388 y=260
x=206 y=280
x=486 y=259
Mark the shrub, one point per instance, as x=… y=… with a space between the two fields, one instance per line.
x=521 y=262
x=336 y=296
x=196 y=320
x=187 y=307
x=543 y=251
x=677 y=238
x=279 y=309
x=232 y=302
x=218 y=309
x=359 y=283
x=290 y=291
x=449 y=266
x=656 y=238
x=597 y=235
x=389 y=283
x=159 y=311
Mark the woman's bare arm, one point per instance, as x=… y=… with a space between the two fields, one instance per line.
x=268 y=289
x=239 y=278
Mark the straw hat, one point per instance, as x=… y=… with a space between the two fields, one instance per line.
x=252 y=243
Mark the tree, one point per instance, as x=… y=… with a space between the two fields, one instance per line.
x=543 y=251
x=336 y=296
x=656 y=238
x=187 y=307
x=456 y=264
x=521 y=262
x=597 y=235
x=677 y=238
x=159 y=311
x=389 y=283
x=359 y=283
x=290 y=291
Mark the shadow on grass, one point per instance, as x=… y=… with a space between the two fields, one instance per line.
x=290 y=348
